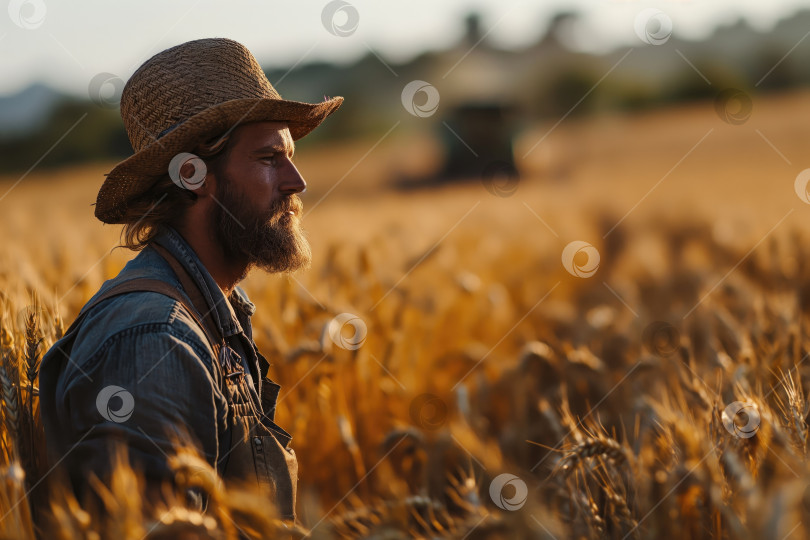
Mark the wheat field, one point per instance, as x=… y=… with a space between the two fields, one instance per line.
x=610 y=399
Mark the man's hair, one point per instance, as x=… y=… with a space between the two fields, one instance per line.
x=165 y=203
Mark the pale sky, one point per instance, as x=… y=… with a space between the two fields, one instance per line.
x=70 y=42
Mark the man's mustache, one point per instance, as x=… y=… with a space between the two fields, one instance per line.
x=280 y=207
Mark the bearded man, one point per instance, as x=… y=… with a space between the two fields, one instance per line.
x=164 y=352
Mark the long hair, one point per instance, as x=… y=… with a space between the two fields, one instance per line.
x=165 y=203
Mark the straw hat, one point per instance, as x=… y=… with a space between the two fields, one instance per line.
x=186 y=95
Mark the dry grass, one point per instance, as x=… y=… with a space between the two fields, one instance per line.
x=617 y=430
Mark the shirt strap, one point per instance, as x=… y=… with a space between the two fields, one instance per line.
x=193 y=291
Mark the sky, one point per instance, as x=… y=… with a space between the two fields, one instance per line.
x=65 y=44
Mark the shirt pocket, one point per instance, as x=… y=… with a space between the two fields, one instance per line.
x=276 y=472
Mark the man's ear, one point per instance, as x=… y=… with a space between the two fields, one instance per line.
x=189 y=171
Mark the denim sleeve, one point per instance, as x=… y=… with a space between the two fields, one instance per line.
x=140 y=385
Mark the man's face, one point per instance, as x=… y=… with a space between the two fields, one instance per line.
x=257 y=209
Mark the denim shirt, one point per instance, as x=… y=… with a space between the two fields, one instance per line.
x=139 y=365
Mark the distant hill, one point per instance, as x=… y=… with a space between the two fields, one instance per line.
x=27 y=110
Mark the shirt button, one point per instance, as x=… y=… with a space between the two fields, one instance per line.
x=257 y=440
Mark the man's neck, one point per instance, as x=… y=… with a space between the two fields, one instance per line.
x=226 y=274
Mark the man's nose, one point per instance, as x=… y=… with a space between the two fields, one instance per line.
x=292 y=182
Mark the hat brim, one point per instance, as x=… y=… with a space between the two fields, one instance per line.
x=136 y=174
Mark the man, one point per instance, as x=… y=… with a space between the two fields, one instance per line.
x=165 y=349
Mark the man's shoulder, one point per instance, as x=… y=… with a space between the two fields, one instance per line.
x=134 y=314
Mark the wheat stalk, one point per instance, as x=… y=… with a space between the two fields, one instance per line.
x=590 y=448
x=11 y=410
x=794 y=408
x=180 y=522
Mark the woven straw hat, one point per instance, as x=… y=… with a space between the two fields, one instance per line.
x=188 y=94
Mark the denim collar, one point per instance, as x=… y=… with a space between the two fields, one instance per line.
x=223 y=312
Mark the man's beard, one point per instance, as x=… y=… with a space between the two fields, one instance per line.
x=273 y=240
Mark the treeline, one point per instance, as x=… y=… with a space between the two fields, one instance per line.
x=544 y=81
